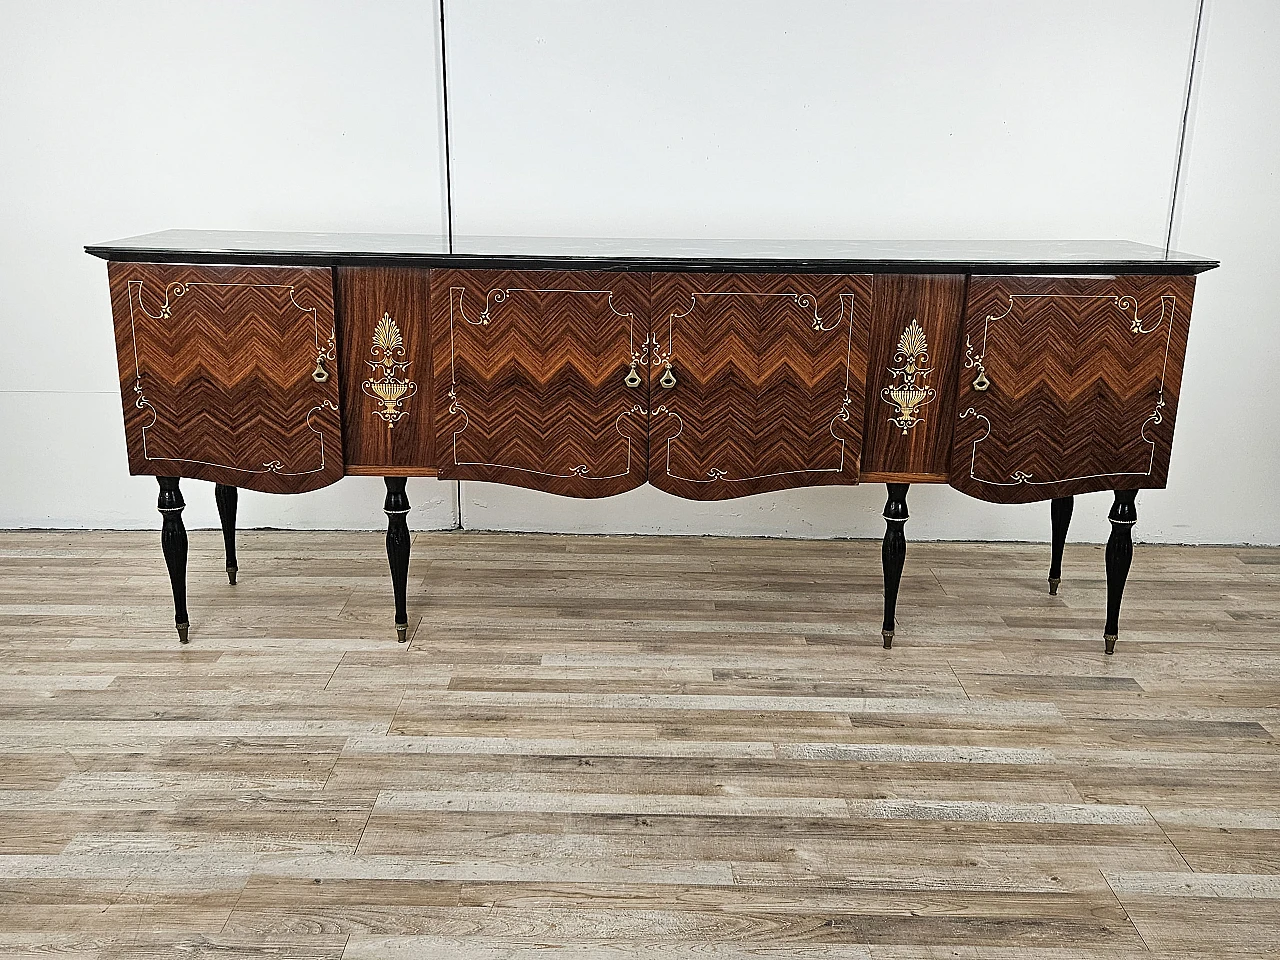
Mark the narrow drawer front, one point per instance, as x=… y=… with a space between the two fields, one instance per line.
x=229 y=374
x=1068 y=385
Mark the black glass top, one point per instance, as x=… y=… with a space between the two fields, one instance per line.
x=742 y=256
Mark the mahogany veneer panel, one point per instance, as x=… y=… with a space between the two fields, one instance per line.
x=770 y=374
x=216 y=371
x=1084 y=377
x=530 y=371
x=386 y=370
x=915 y=329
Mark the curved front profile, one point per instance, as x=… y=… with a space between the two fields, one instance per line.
x=1068 y=385
x=757 y=382
x=229 y=374
x=535 y=381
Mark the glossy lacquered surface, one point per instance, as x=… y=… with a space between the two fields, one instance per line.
x=531 y=373
x=767 y=375
x=709 y=386
x=229 y=374
x=920 y=447
x=385 y=353
x=654 y=255
x=1082 y=380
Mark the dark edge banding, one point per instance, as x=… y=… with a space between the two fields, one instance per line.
x=468 y=261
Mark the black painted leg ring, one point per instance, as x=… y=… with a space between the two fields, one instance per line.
x=397 y=509
x=226 y=498
x=1124 y=514
x=1060 y=514
x=173 y=542
x=893 y=554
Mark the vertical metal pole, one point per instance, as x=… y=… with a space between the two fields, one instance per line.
x=1182 y=134
x=448 y=160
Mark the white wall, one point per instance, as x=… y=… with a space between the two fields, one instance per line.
x=927 y=118
x=122 y=117
x=1226 y=464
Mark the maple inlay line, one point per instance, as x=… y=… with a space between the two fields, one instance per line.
x=552 y=373
x=177 y=289
x=1126 y=304
x=500 y=295
x=803 y=301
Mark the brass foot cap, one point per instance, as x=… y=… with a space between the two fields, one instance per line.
x=887 y=636
x=402 y=633
x=1053 y=585
x=231 y=575
x=1109 y=640
x=182 y=632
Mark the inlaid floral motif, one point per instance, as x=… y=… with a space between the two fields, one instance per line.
x=387 y=383
x=907 y=390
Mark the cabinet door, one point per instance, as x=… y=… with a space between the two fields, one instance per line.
x=1068 y=385
x=229 y=374
x=533 y=381
x=757 y=382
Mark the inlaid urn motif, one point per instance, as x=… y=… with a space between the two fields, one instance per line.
x=387 y=383
x=906 y=390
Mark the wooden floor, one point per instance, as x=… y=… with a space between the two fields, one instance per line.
x=609 y=747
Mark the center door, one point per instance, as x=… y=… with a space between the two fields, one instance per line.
x=756 y=382
x=538 y=379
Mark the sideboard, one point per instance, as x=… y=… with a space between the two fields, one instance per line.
x=1014 y=371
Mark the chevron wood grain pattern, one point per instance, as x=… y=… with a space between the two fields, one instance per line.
x=1084 y=377
x=530 y=371
x=635 y=748
x=923 y=450
x=399 y=441
x=770 y=375
x=216 y=373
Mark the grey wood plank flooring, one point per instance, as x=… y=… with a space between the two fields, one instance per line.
x=626 y=747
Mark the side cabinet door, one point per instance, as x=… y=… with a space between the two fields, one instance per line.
x=533 y=379
x=757 y=382
x=229 y=374
x=1068 y=385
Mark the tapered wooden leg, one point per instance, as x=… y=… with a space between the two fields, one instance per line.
x=173 y=541
x=397 y=508
x=1060 y=513
x=227 y=498
x=1124 y=514
x=893 y=554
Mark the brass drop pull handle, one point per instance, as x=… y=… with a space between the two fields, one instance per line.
x=668 y=377
x=633 y=378
x=980 y=382
x=320 y=374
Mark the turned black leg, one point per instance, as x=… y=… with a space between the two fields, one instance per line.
x=397 y=508
x=173 y=541
x=893 y=554
x=1060 y=512
x=1124 y=514
x=227 y=498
